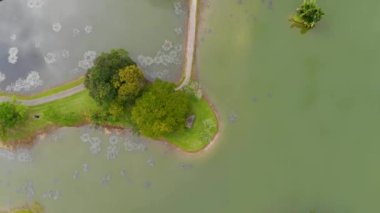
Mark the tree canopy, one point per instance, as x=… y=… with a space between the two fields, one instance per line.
x=129 y=83
x=307 y=15
x=161 y=109
x=11 y=114
x=99 y=78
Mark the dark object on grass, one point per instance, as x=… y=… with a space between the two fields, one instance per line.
x=190 y=122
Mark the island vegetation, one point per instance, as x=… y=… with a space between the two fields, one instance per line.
x=307 y=15
x=11 y=115
x=117 y=95
x=30 y=208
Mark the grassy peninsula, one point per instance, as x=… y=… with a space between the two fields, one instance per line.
x=117 y=95
x=30 y=208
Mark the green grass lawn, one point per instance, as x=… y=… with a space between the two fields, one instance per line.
x=76 y=110
x=48 y=92
x=31 y=208
x=70 y=111
x=204 y=129
x=22 y=211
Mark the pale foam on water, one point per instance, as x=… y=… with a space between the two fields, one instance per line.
x=85 y=167
x=24 y=155
x=57 y=27
x=6 y=154
x=178 y=30
x=75 y=175
x=93 y=142
x=65 y=54
x=76 y=32
x=105 y=179
x=28 y=189
x=13 y=58
x=112 y=152
x=169 y=54
x=50 y=58
x=178 y=9
x=130 y=146
x=167 y=45
x=33 y=80
x=35 y=4
x=51 y=194
x=88 y=60
x=21 y=155
x=88 y=29
x=13 y=37
x=151 y=162
x=2 y=77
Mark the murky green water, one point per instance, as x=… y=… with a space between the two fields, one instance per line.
x=299 y=117
x=308 y=107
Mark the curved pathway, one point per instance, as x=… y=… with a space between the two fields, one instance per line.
x=188 y=65
x=190 y=43
x=47 y=99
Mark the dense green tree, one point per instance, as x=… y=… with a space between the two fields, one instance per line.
x=99 y=78
x=161 y=109
x=11 y=114
x=129 y=83
x=307 y=15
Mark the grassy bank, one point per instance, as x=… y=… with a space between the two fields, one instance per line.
x=75 y=110
x=204 y=128
x=70 y=111
x=31 y=208
x=48 y=92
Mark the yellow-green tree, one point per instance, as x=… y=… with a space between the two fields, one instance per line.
x=161 y=110
x=307 y=15
x=129 y=83
x=11 y=114
x=99 y=78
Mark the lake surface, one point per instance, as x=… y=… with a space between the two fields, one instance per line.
x=299 y=116
x=58 y=40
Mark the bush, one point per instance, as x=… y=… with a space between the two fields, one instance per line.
x=307 y=15
x=98 y=79
x=161 y=110
x=11 y=115
x=129 y=83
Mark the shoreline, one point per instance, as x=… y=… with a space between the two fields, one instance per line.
x=28 y=143
x=195 y=76
x=46 y=90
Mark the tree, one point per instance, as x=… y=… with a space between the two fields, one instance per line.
x=11 y=114
x=307 y=15
x=99 y=78
x=129 y=83
x=161 y=110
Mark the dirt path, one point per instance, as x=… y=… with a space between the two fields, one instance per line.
x=190 y=43
x=47 y=99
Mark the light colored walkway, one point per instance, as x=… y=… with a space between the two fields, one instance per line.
x=190 y=43
x=47 y=99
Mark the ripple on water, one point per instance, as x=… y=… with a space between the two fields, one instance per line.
x=105 y=180
x=57 y=27
x=88 y=60
x=35 y=4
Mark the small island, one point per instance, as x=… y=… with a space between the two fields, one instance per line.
x=307 y=15
x=30 y=208
x=114 y=94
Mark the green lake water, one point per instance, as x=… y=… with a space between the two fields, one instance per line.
x=299 y=126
